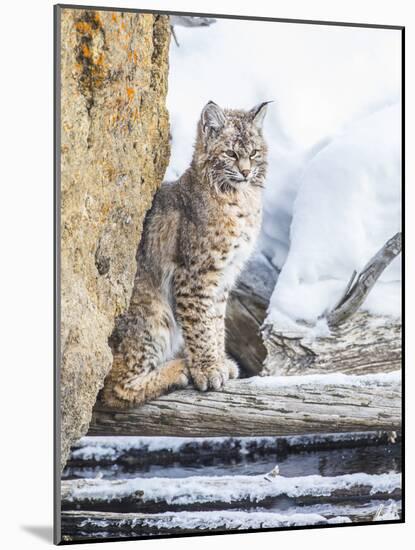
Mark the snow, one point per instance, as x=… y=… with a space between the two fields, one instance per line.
x=200 y=489
x=333 y=187
x=333 y=379
x=348 y=205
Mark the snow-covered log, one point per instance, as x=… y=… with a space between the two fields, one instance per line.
x=265 y=406
x=135 y=524
x=223 y=492
x=108 y=524
x=127 y=451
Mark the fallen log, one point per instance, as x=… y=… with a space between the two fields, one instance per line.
x=127 y=524
x=129 y=452
x=223 y=492
x=362 y=344
x=115 y=524
x=358 y=343
x=264 y=406
x=246 y=311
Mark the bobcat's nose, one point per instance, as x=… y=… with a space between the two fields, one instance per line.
x=245 y=173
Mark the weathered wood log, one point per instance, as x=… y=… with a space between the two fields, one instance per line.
x=259 y=406
x=223 y=492
x=362 y=344
x=246 y=311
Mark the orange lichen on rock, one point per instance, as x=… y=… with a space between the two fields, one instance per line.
x=86 y=52
x=83 y=27
x=130 y=93
x=100 y=59
x=97 y=19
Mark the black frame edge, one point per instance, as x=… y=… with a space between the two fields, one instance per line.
x=57 y=534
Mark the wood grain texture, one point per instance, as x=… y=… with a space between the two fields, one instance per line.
x=363 y=344
x=246 y=311
x=245 y=409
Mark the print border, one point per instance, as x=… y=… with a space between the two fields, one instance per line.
x=57 y=264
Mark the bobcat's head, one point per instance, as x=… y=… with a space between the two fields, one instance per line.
x=230 y=148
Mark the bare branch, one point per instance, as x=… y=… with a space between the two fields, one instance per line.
x=354 y=297
x=346 y=291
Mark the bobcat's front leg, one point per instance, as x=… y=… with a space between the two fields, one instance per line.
x=199 y=316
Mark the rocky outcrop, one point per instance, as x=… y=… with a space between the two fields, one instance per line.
x=114 y=152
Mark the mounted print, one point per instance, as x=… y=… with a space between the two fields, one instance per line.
x=228 y=198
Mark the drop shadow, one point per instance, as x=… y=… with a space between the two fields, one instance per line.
x=42 y=532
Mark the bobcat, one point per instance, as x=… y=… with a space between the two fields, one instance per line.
x=196 y=238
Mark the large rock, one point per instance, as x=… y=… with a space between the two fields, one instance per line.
x=115 y=149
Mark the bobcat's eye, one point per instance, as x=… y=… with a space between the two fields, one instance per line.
x=231 y=154
x=253 y=154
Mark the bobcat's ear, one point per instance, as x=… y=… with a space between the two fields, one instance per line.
x=258 y=113
x=213 y=118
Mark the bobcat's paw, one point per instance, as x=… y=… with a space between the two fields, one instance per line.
x=115 y=398
x=215 y=376
x=178 y=374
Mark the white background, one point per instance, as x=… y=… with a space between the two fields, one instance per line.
x=26 y=270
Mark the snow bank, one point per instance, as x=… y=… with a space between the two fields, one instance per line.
x=348 y=205
x=335 y=178
x=199 y=489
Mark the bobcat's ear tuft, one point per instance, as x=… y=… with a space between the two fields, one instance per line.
x=212 y=118
x=258 y=113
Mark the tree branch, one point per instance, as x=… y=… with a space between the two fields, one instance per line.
x=356 y=294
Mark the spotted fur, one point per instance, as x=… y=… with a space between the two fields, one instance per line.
x=197 y=236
